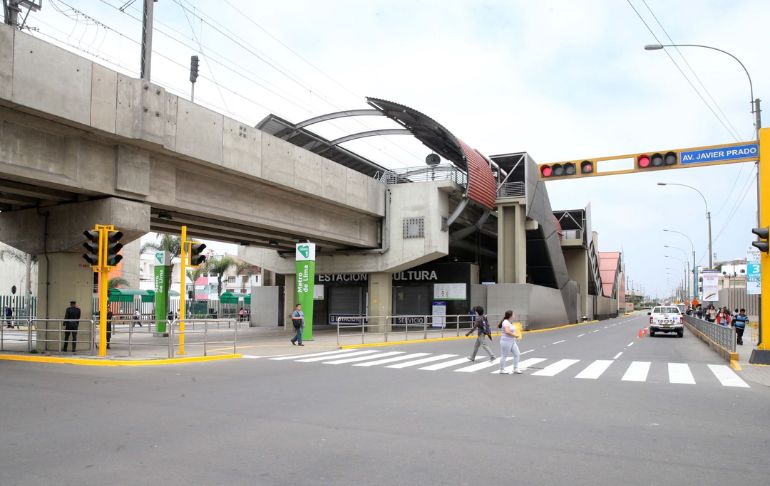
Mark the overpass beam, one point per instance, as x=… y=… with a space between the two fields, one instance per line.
x=512 y=243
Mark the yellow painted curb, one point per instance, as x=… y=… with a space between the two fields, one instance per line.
x=116 y=362
x=735 y=365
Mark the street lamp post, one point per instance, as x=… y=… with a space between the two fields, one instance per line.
x=686 y=270
x=687 y=285
x=694 y=267
x=708 y=215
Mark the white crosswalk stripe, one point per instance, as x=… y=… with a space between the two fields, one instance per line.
x=422 y=361
x=595 y=369
x=637 y=371
x=324 y=358
x=392 y=360
x=445 y=364
x=362 y=358
x=727 y=377
x=325 y=353
x=556 y=368
x=680 y=373
x=479 y=366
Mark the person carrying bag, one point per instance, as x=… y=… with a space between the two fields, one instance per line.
x=511 y=332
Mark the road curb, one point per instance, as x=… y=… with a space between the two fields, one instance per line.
x=115 y=362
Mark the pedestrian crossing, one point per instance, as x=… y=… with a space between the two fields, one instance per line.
x=635 y=371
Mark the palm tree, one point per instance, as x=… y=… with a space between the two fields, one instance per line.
x=246 y=268
x=24 y=258
x=219 y=266
x=117 y=282
x=169 y=243
x=194 y=274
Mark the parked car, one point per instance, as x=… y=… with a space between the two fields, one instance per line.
x=666 y=318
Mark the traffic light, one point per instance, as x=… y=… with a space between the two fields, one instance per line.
x=655 y=161
x=587 y=167
x=762 y=233
x=557 y=170
x=195 y=256
x=92 y=247
x=114 y=245
x=193 y=68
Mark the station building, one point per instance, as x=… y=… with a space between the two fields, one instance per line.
x=466 y=229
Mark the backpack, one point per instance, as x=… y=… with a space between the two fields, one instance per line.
x=485 y=326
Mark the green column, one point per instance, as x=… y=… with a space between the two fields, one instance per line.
x=162 y=277
x=305 y=278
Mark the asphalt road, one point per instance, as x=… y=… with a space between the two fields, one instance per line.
x=287 y=422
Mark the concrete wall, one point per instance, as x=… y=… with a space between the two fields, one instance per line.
x=264 y=307
x=429 y=200
x=535 y=306
x=606 y=307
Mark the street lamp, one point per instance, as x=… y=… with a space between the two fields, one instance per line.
x=708 y=215
x=694 y=267
x=686 y=272
x=687 y=275
x=754 y=102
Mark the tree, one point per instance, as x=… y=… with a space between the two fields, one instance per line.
x=246 y=268
x=169 y=243
x=220 y=265
x=194 y=274
x=117 y=282
x=24 y=258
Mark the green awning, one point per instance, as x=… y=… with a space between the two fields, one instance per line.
x=247 y=299
x=148 y=296
x=234 y=297
x=124 y=295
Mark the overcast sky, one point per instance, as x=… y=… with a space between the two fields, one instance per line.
x=559 y=79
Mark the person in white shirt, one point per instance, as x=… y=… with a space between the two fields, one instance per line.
x=508 y=344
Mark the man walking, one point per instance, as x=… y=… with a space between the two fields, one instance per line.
x=71 y=323
x=481 y=325
x=298 y=321
x=740 y=325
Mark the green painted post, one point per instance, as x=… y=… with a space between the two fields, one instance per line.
x=161 y=291
x=305 y=258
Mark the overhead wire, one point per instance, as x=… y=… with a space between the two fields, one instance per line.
x=681 y=71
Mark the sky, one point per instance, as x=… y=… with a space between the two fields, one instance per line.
x=560 y=79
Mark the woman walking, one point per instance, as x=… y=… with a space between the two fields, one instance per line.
x=508 y=346
x=481 y=326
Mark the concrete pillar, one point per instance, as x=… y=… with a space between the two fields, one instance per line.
x=289 y=301
x=511 y=243
x=63 y=277
x=380 y=302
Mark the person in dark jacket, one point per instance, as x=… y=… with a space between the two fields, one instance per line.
x=740 y=325
x=478 y=326
x=71 y=323
x=109 y=327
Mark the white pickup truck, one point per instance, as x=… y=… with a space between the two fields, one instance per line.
x=666 y=318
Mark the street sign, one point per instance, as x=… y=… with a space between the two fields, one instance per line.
x=720 y=154
x=753 y=272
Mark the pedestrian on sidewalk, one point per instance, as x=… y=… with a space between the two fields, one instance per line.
x=481 y=326
x=109 y=327
x=740 y=325
x=511 y=332
x=71 y=324
x=9 y=316
x=298 y=321
x=136 y=319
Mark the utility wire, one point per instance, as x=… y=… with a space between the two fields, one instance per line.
x=683 y=73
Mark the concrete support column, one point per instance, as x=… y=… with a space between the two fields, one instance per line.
x=289 y=301
x=512 y=243
x=380 y=302
x=63 y=277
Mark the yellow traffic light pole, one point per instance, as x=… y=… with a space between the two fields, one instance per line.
x=103 y=271
x=762 y=353
x=182 y=289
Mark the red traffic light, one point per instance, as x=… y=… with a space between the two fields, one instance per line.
x=643 y=161
x=546 y=171
x=586 y=167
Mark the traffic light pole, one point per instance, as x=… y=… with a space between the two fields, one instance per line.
x=761 y=355
x=182 y=288
x=103 y=272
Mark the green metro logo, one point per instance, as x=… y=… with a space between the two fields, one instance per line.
x=304 y=250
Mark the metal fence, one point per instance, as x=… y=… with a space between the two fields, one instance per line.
x=196 y=309
x=126 y=337
x=512 y=189
x=20 y=305
x=355 y=329
x=426 y=174
x=724 y=336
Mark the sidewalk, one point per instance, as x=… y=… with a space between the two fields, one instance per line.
x=755 y=373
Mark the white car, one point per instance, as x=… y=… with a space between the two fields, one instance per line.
x=666 y=318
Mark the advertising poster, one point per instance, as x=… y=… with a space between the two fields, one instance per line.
x=710 y=286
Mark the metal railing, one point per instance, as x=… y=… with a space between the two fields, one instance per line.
x=426 y=174
x=126 y=337
x=405 y=327
x=724 y=336
x=512 y=189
